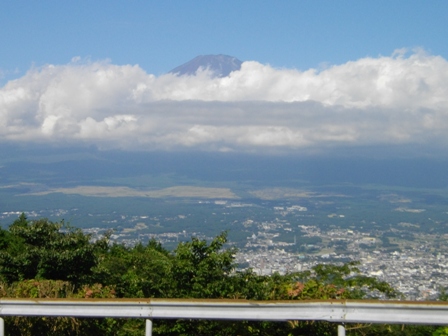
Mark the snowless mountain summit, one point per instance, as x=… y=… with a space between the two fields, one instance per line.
x=219 y=65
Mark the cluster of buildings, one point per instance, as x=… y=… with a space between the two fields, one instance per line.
x=418 y=268
x=415 y=269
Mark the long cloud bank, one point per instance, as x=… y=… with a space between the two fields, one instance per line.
x=401 y=99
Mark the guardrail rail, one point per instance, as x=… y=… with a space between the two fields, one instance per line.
x=337 y=311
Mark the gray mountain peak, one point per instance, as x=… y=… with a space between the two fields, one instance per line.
x=220 y=65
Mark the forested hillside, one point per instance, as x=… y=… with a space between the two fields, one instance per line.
x=44 y=259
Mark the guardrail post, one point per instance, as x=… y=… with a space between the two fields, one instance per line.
x=341 y=330
x=148 y=330
x=2 y=327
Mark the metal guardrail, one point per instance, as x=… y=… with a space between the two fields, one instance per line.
x=338 y=311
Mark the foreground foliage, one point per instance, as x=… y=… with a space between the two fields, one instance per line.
x=42 y=259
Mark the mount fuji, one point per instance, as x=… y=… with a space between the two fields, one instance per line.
x=219 y=65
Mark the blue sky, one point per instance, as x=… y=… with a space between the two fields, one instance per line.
x=317 y=75
x=159 y=35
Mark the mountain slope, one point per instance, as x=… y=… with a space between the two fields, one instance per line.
x=219 y=65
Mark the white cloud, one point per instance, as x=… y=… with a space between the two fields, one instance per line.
x=372 y=101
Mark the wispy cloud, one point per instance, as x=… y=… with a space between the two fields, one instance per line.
x=401 y=99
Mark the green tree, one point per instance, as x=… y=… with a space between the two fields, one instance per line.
x=201 y=270
x=42 y=249
x=138 y=271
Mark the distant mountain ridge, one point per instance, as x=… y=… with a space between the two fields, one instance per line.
x=220 y=65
